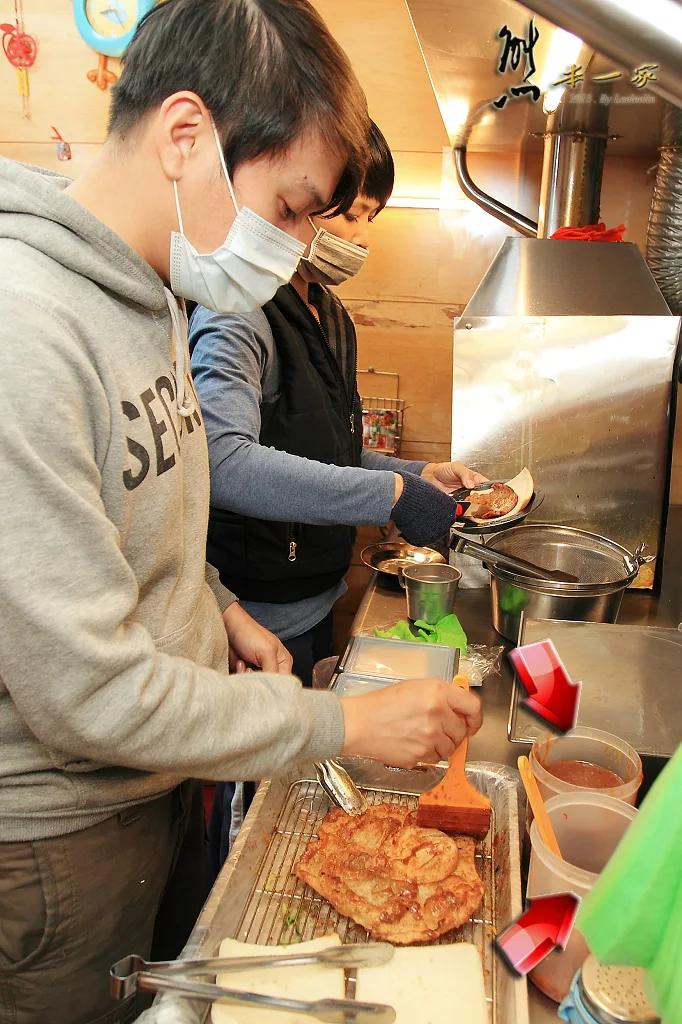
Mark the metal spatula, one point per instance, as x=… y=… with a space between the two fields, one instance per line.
x=518 y=565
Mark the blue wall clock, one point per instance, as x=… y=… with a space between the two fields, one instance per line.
x=108 y=26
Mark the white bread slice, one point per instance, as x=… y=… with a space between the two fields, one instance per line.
x=311 y=982
x=429 y=985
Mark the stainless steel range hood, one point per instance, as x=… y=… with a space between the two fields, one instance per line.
x=530 y=279
x=564 y=358
x=564 y=361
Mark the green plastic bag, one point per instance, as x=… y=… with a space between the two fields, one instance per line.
x=633 y=915
x=447 y=631
x=400 y=631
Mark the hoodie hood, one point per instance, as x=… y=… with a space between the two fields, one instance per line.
x=35 y=209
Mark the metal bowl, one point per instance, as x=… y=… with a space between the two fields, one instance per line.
x=388 y=557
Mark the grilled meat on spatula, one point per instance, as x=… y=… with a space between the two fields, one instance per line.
x=498 y=501
x=401 y=882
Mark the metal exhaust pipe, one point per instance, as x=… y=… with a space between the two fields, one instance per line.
x=512 y=218
x=664 y=234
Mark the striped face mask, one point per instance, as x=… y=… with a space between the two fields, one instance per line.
x=331 y=260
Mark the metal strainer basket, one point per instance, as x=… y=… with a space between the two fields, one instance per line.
x=601 y=565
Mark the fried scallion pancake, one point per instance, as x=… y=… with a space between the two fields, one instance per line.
x=403 y=883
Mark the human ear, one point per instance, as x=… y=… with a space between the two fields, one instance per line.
x=182 y=127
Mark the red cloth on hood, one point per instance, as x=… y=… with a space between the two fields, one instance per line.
x=591 y=233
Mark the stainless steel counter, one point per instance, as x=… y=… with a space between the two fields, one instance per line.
x=383 y=605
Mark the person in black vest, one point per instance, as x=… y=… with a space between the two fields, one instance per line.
x=289 y=478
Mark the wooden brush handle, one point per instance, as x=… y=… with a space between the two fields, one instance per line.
x=457 y=760
x=460 y=755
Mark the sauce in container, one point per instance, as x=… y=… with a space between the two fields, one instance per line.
x=583 y=773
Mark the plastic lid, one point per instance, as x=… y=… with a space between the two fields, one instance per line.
x=400 y=659
x=348 y=684
x=615 y=995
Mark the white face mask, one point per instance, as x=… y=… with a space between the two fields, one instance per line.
x=331 y=259
x=244 y=272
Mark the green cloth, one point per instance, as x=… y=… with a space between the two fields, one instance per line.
x=633 y=915
x=447 y=631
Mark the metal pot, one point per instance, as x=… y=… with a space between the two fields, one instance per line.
x=604 y=570
x=509 y=600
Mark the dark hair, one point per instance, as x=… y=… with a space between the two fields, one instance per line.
x=380 y=173
x=268 y=70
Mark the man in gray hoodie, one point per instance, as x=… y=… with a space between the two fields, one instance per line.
x=114 y=684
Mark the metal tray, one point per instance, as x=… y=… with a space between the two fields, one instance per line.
x=257 y=899
x=640 y=663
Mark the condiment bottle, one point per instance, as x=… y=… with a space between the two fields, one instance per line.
x=602 y=994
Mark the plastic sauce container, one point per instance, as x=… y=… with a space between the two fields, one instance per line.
x=588 y=826
x=595 y=747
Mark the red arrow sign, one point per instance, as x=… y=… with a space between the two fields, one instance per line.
x=545 y=925
x=551 y=693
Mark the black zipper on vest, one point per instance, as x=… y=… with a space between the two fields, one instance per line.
x=294 y=534
x=335 y=366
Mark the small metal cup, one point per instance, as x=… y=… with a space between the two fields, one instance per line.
x=430 y=591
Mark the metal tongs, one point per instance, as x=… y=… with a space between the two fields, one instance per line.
x=340 y=788
x=132 y=973
x=518 y=565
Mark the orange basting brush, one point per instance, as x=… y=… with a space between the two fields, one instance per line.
x=454 y=805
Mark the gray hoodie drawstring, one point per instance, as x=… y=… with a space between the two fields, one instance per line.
x=183 y=395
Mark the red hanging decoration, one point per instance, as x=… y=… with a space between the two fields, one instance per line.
x=63 y=148
x=21 y=50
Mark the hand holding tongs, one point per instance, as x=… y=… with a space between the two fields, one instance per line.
x=133 y=972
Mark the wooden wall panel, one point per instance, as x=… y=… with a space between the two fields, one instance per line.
x=417 y=174
x=378 y=37
x=415 y=340
x=627 y=189
x=61 y=95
